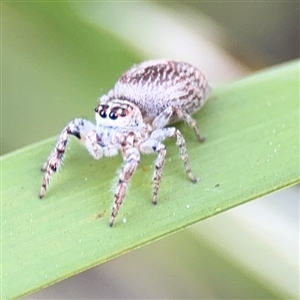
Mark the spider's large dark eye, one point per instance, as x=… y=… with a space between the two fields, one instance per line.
x=102 y=113
x=113 y=115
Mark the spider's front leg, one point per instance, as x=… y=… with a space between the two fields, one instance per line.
x=132 y=158
x=85 y=131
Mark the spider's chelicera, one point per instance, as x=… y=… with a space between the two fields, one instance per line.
x=131 y=119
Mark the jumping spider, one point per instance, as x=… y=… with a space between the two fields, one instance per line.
x=131 y=119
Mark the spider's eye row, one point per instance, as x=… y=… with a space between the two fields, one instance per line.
x=102 y=113
x=113 y=115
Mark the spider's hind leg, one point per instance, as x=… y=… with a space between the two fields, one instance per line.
x=173 y=114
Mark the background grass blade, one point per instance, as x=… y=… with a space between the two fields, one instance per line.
x=252 y=129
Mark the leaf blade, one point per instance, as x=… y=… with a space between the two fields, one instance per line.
x=252 y=133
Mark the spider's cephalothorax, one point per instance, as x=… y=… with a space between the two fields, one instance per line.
x=132 y=119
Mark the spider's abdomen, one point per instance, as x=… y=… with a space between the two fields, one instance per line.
x=157 y=84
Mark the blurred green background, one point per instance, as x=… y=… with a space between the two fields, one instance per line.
x=58 y=57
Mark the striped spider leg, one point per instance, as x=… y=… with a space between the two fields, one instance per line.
x=119 y=127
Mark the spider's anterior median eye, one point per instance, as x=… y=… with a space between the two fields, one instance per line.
x=102 y=113
x=113 y=115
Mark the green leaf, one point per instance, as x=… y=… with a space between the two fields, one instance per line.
x=252 y=130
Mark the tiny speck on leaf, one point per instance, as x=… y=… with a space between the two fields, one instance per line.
x=99 y=216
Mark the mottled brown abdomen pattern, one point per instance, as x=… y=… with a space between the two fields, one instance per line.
x=157 y=84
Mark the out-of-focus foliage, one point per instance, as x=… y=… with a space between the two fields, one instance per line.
x=54 y=66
